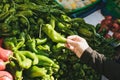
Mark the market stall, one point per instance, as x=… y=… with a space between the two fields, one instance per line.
x=33 y=34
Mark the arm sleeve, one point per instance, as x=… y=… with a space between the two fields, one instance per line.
x=100 y=64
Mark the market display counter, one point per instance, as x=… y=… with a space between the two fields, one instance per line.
x=35 y=32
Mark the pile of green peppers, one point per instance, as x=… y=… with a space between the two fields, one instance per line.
x=36 y=30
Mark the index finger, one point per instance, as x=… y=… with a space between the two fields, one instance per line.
x=69 y=41
x=75 y=38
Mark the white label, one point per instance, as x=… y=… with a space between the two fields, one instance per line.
x=110 y=33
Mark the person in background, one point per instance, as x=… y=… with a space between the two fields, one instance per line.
x=108 y=68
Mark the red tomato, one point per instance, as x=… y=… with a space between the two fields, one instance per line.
x=108 y=17
x=4 y=75
x=2 y=65
x=107 y=22
x=115 y=27
x=116 y=35
x=5 y=54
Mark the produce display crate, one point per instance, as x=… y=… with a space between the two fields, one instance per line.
x=81 y=9
x=89 y=11
x=112 y=8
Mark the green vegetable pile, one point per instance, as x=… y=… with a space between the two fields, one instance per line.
x=36 y=30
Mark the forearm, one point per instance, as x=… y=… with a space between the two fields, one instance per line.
x=100 y=64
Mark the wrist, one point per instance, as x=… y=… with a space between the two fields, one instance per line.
x=89 y=50
x=81 y=52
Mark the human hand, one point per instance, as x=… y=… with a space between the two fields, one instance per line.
x=76 y=44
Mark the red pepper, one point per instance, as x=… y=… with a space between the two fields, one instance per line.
x=5 y=54
x=115 y=27
x=116 y=35
x=2 y=65
x=4 y=75
x=108 y=17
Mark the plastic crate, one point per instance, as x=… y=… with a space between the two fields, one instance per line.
x=88 y=11
x=81 y=9
x=112 y=8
